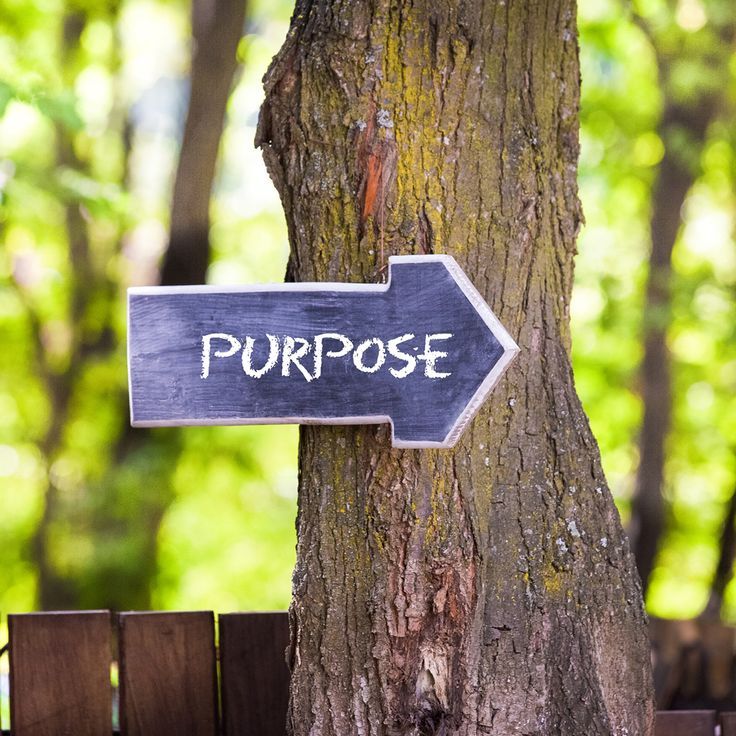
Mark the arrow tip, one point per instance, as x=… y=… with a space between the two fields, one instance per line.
x=510 y=349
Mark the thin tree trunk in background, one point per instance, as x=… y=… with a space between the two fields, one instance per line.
x=675 y=177
x=724 y=567
x=693 y=659
x=488 y=589
x=683 y=129
x=53 y=589
x=217 y=26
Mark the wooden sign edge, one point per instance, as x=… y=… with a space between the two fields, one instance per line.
x=510 y=349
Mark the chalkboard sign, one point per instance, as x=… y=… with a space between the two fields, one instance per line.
x=421 y=352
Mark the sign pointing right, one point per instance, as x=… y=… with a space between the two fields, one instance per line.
x=422 y=352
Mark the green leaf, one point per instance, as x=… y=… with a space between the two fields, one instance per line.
x=7 y=95
x=61 y=109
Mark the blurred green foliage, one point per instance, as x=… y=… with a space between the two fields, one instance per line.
x=228 y=495
x=623 y=97
x=205 y=516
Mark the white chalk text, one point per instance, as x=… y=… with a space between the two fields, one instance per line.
x=298 y=356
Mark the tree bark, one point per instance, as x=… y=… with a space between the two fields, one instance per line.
x=487 y=589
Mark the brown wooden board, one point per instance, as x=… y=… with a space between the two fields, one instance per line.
x=685 y=723
x=728 y=724
x=60 y=674
x=255 y=678
x=168 y=674
x=2 y=652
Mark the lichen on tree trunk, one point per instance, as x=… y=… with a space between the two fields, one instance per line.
x=487 y=589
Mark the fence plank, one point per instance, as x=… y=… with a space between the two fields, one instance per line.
x=60 y=674
x=685 y=723
x=255 y=678
x=3 y=649
x=728 y=724
x=168 y=674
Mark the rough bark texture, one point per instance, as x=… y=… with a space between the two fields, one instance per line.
x=488 y=589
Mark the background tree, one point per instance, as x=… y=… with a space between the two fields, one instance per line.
x=692 y=62
x=622 y=151
x=215 y=38
x=649 y=134
x=489 y=588
x=89 y=494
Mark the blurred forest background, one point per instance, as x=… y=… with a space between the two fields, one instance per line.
x=117 y=118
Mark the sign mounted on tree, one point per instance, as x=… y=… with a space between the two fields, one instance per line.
x=421 y=352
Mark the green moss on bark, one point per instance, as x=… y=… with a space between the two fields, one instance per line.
x=467 y=591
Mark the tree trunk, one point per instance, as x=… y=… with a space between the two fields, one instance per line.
x=488 y=589
x=54 y=590
x=677 y=173
x=724 y=567
x=683 y=129
x=216 y=30
x=217 y=26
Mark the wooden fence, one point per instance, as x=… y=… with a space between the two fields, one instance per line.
x=174 y=677
x=178 y=674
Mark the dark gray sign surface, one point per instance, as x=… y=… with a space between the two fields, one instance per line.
x=422 y=352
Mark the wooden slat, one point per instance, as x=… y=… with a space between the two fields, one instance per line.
x=255 y=678
x=685 y=723
x=60 y=674
x=728 y=724
x=3 y=650
x=168 y=674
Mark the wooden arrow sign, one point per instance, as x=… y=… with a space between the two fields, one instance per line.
x=422 y=352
